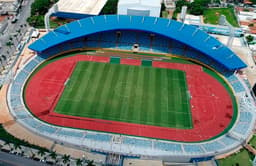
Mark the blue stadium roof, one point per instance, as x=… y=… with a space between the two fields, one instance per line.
x=183 y=33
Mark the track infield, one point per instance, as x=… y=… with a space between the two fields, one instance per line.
x=133 y=94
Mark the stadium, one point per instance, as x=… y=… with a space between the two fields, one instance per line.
x=134 y=87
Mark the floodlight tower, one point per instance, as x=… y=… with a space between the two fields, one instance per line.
x=223 y=21
x=52 y=10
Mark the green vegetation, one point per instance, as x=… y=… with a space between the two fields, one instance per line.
x=243 y=158
x=135 y=94
x=110 y=7
x=249 y=38
x=163 y=13
x=253 y=142
x=212 y=15
x=5 y=136
x=38 y=9
x=56 y=22
x=196 y=8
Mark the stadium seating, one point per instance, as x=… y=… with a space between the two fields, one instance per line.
x=214 y=146
x=32 y=123
x=98 y=137
x=138 y=142
x=128 y=37
x=144 y=40
x=22 y=114
x=167 y=146
x=16 y=89
x=228 y=140
x=238 y=87
x=21 y=77
x=192 y=149
x=245 y=116
x=15 y=101
x=231 y=78
x=30 y=66
x=91 y=43
x=70 y=133
x=158 y=41
x=46 y=129
x=39 y=59
x=176 y=51
x=109 y=36
x=108 y=44
x=241 y=128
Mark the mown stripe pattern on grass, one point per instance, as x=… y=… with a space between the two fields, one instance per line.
x=134 y=94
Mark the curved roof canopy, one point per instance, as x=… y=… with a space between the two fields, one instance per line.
x=183 y=33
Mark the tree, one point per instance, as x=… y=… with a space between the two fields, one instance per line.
x=40 y=7
x=17 y=146
x=41 y=152
x=249 y=38
x=79 y=162
x=196 y=8
x=179 y=5
x=36 y=21
x=90 y=163
x=9 y=43
x=66 y=158
x=250 y=25
x=110 y=7
x=53 y=155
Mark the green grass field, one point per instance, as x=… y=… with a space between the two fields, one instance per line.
x=212 y=16
x=252 y=142
x=135 y=94
x=242 y=158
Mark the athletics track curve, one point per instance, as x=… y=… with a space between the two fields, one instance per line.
x=211 y=104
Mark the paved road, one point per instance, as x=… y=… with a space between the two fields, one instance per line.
x=13 y=27
x=7 y=159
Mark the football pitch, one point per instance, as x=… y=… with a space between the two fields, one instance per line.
x=126 y=93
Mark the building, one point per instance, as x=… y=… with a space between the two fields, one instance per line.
x=77 y=9
x=139 y=7
x=9 y=7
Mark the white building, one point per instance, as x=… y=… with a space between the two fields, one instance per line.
x=79 y=8
x=139 y=7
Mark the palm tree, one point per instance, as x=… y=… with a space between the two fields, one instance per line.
x=90 y=163
x=53 y=155
x=41 y=152
x=16 y=146
x=79 y=162
x=66 y=158
x=9 y=43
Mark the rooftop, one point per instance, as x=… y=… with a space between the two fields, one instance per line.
x=81 y=6
x=141 y=2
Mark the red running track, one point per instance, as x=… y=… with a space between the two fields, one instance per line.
x=211 y=105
